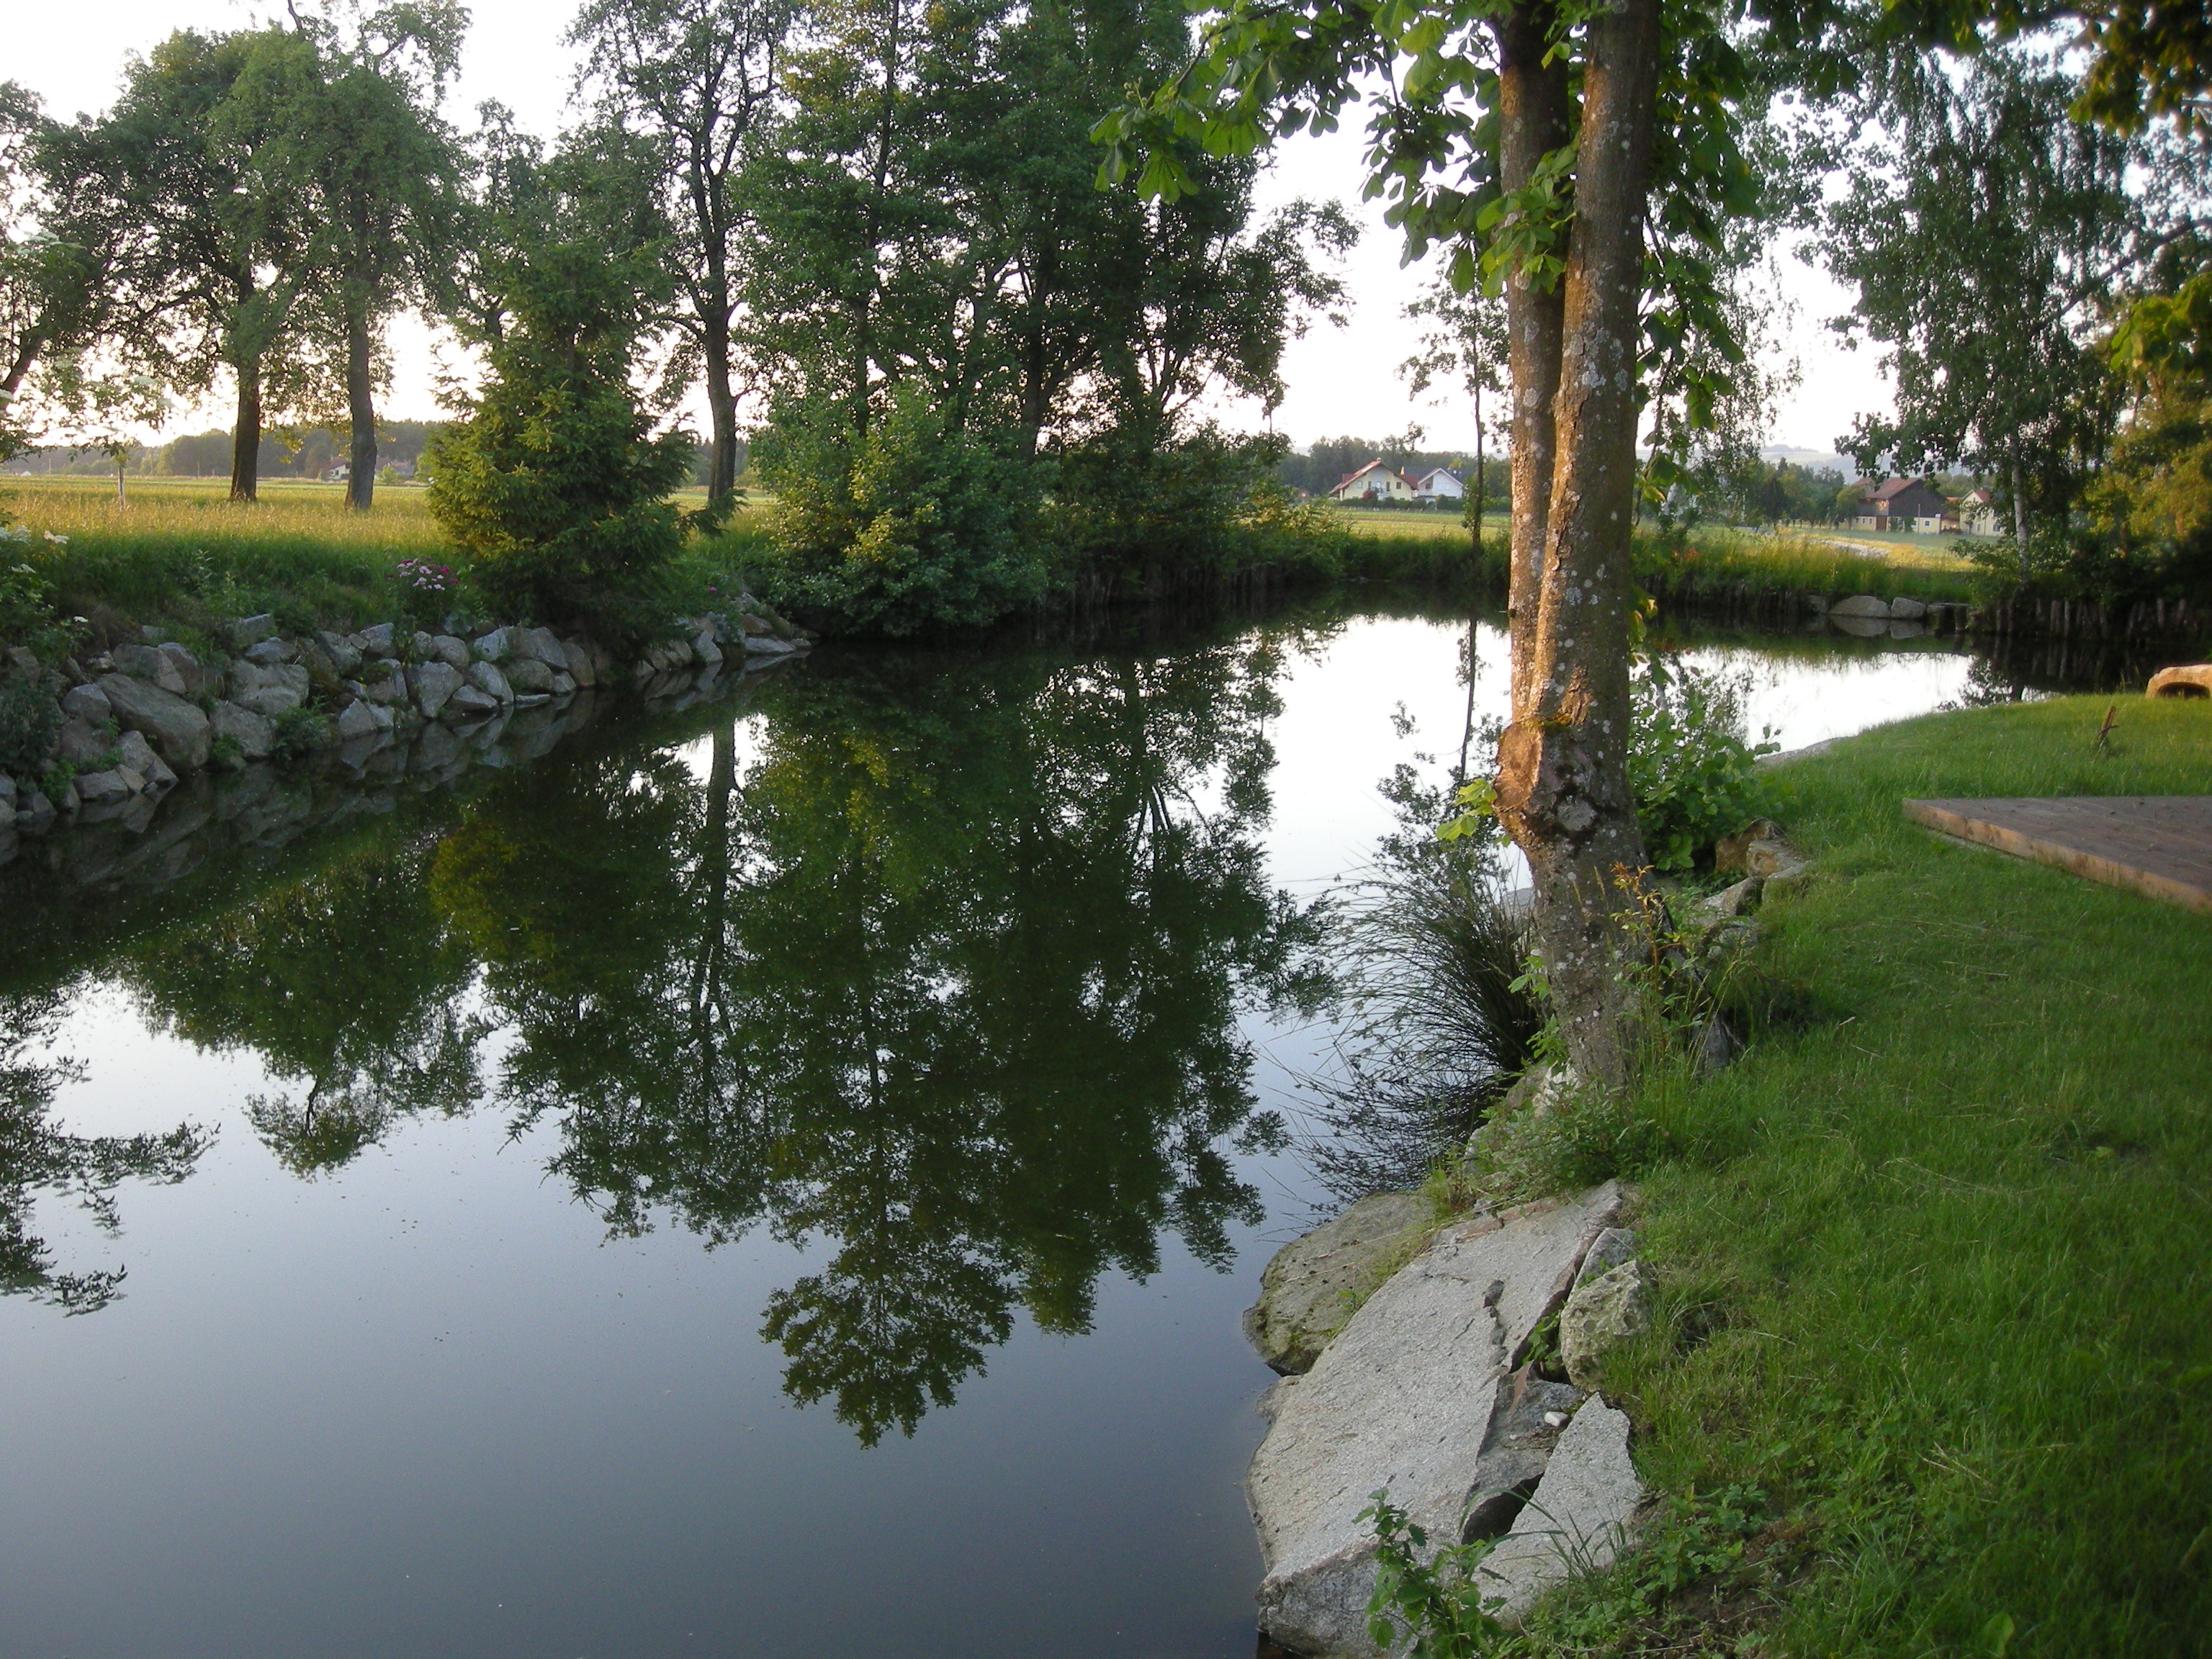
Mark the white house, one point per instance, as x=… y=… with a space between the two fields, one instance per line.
x=1373 y=483
x=1439 y=484
x=1978 y=514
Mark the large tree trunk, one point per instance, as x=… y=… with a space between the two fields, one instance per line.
x=360 y=409
x=2020 y=519
x=722 y=407
x=1563 y=788
x=1534 y=116
x=246 y=434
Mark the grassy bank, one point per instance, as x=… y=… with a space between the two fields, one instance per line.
x=177 y=550
x=1937 y=1265
x=1711 y=564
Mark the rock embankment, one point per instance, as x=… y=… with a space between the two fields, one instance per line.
x=1310 y=1287
x=101 y=735
x=1434 y=1390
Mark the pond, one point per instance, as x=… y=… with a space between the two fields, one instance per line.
x=778 y=1176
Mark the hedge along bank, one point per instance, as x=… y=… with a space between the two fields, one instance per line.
x=93 y=735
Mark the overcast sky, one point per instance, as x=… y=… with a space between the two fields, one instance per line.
x=1340 y=380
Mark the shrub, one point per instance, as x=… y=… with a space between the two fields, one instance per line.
x=1692 y=768
x=300 y=732
x=27 y=597
x=918 y=527
x=29 y=723
x=553 y=483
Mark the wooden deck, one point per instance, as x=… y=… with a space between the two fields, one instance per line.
x=2157 y=845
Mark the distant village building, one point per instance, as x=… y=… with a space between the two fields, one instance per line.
x=1904 y=504
x=1373 y=483
x=1978 y=514
x=1439 y=484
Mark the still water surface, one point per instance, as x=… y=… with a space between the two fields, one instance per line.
x=781 y=1179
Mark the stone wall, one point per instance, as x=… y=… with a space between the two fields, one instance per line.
x=135 y=722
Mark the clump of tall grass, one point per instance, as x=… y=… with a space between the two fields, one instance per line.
x=1441 y=1013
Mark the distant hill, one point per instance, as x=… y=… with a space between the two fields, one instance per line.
x=1811 y=460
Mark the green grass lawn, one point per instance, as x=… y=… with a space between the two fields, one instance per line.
x=1937 y=1264
x=1444 y=524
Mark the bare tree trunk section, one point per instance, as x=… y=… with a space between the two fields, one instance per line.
x=722 y=407
x=360 y=410
x=1563 y=787
x=246 y=434
x=2020 y=519
x=1534 y=115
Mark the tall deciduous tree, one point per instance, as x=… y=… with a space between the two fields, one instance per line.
x=695 y=78
x=215 y=244
x=1526 y=135
x=1988 y=232
x=50 y=276
x=382 y=172
x=950 y=319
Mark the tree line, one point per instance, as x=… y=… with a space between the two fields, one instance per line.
x=873 y=226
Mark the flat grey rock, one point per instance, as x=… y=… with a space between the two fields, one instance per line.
x=1861 y=605
x=1306 y=1289
x=178 y=730
x=1403 y=1400
x=1577 y=1522
x=434 y=682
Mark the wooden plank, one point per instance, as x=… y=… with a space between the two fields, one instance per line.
x=2159 y=845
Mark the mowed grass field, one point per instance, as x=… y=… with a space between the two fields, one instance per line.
x=179 y=549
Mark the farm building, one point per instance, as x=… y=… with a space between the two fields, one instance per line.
x=1373 y=483
x=1904 y=504
x=1978 y=514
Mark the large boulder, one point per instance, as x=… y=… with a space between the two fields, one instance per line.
x=450 y=650
x=268 y=688
x=578 y=661
x=1308 y=1288
x=2189 y=680
x=83 y=745
x=136 y=755
x=86 y=702
x=255 y=734
x=528 y=674
x=345 y=655
x=378 y=641
x=487 y=678
x=434 y=683
x=493 y=647
x=1402 y=1401
x=150 y=662
x=1578 y=1521
x=1862 y=604
x=178 y=730
x=197 y=681
x=542 y=645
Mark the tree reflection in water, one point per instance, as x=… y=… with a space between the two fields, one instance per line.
x=943 y=979
x=37 y=1155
